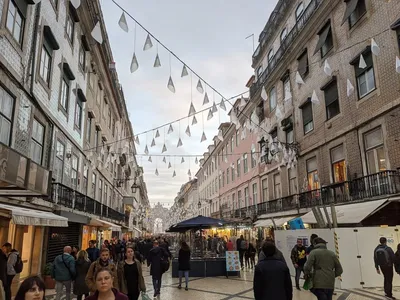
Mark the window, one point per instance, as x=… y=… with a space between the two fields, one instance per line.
x=89 y=129
x=85 y=179
x=106 y=195
x=272 y=99
x=277 y=186
x=255 y=192
x=109 y=118
x=16 y=19
x=270 y=55
x=312 y=174
x=45 y=64
x=307 y=113
x=325 y=41
x=64 y=95
x=303 y=67
x=331 y=100
x=237 y=137
x=78 y=113
x=70 y=27
x=253 y=158
x=234 y=201
x=357 y=13
x=100 y=190
x=239 y=199
x=245 y=164
x=284 y=34
x=232 y=143
x=292 y=181
x=264 y=190
x=238 y=168
x=94 y=179
x=338 y=164
x=246 y=196
x=299 y=10
x=37 y=142
x=365 y=77
x=96 y=140
x=259 y=72
x=74 y=171
x=223 y=179
x=287 y=94
x=233 y=175
x=59 y=161
x=374 y=151
x=6 y=116
x=113 y=127
x=227 y=176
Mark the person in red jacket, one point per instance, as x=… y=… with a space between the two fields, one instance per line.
x=229 y=245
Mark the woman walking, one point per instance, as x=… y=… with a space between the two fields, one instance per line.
x=130 y=276
x=184 y=264
x=31 y=288
x=82 y=266
x=104 y=286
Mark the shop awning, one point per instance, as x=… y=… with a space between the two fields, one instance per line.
x=278 y=222
x=349 y=213
x=105 y=224
x=29 y=216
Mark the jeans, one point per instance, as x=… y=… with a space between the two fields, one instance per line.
x=186 y=277
x=298 y=270
x=323 y=294
x=156 y=285
x=79 y=297
x=7 y=286
x=60 y=287
x=241 y=254
x=387 y=272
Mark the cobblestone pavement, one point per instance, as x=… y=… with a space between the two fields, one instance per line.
x=234 y=288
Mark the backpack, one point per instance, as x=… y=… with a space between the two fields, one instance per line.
x=382 y=257
x=19 y=265
x=243 y=245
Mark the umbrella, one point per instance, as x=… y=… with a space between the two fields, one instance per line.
x=199 y=222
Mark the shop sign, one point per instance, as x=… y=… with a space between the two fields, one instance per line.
x=232 y=261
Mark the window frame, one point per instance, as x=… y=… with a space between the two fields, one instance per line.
x=303 y=55
x=307 y=122
x=245 y=164
x=374 y=149
x=42 y=68
x=356 y=13
x=313 y=172
x=69 y=20
x=60 y=159
x=238 y=166
x=299 y=13
x=253 y=159
x=331 y=91
x=255 y=193
x=270 y=55
x=272 y=95
x=265 y=195
x=78 y=110
x=334 y=162
x=359 y=73
x=94 y=184
x=277 y=185
x=18 y=11
x=35 y=141
x=74 y=171
x=8 y=119
x=67 y=83
x=82 y=58
x=284 y=34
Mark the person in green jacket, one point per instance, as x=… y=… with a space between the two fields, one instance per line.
x=323 y=266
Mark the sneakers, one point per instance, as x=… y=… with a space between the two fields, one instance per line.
x=186 y=288
x=390 y=297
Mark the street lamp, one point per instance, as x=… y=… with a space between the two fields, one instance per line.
x=199 y=204
x=134 y=187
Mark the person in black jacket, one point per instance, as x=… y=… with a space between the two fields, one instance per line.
x=272 y=277
x=157 y=259
x=311 y=247
x=184 y=264
x=397 y=260
x=82 y=266
x=3 y=269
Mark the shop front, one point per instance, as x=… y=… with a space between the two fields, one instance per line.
x=106 y=230
x=89 y=233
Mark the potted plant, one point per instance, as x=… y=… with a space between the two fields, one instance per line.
x=49 y=282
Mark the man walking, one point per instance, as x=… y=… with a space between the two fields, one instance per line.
x=3 y=272
x=272 y=277
x=278 y=254
x=64 y=272
x=92 y=251
x=158 y=262
x=384 y=259
x=324 y=266
x=14 y=267
x=299 y=259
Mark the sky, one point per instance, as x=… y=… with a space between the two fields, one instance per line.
x=210 y=37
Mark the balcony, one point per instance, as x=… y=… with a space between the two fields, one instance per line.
x=285 y=44
x=67 y=197
x=20 y=176
x=367 y=188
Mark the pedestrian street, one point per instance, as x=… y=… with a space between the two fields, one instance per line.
x=234 y=288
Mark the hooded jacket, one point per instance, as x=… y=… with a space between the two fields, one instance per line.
x=64 y=267
x=96 y=265
x=324 y=266
x=278 y=255
x=82 y=267
x=154 y=261
x=11 y=261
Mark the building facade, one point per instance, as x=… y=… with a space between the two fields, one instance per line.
x=68 y=156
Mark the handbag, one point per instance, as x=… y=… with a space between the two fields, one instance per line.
x=308 y=284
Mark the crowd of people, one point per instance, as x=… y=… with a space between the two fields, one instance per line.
x=114 y=270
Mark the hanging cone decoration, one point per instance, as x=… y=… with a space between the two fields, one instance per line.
x=299 y=79
x=220 y=135
x=350 y=88
x=137 y=141
x=194 y=121
x=375 y=48
x=174 y=174
x=397 y=64
x=75 y=3
x=153 y=143
x=122 y=23
x=148 y=44
x=362 y=64
x=164 y=160
x=170 y=85
x=222 y=104
x=200 y=87
x=189 y=173
x=203 y=137
x=157 y=62
x=327 y=68
x=188 y=131
x=210 y=115
x=156 y=172
x=150 y=160
x=182 y=160
x=134 y=63
x=192 y=110
x=146 y=150
x=314 y=98
x=179 y=143
x=196 y=161
x=242 y=102
x=164 y=149
x=96 y=33
x=264 y=94
x=157 y=134
x=169 y=165
x=206 y=100
x=234 y=118
x=214 y=108
x=184 y=71
x=170 y=129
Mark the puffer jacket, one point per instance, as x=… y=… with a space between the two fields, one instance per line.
x=96 y=265
x=324 y=266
